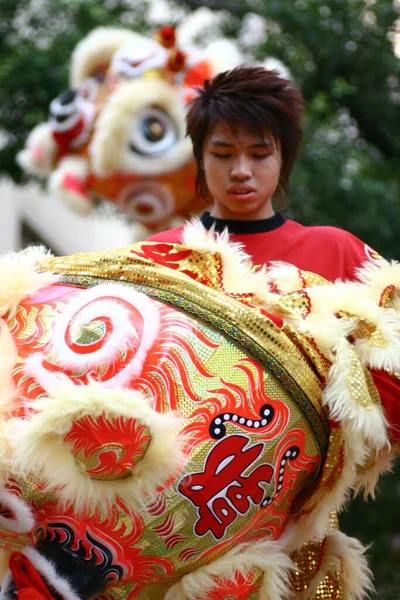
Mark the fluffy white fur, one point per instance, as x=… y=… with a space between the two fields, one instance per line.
x=20 y=277
x=109 y=150
x=49 y=571
x=325 y=329
x=96 y=50
x=377 y=276
x=265 y=555
x=316 y=524
x=23 y=521
x=368 y=477
x=238 y=277
x=40 y=151
x=79 y=168
x=8 y=357
x=352 y=302
x=367 y=422
x=357 y=577
x=85 y=308
x=39 y=446
x=285 y=277
x=346 y=555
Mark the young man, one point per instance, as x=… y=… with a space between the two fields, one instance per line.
x=246 y=130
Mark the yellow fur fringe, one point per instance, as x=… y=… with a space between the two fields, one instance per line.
x=20 y=278
x=376 y=276
x=347 y=396
x=346 y=556
x=377 y=465
x=39 y=447
x=238 y=276
x=265 y=555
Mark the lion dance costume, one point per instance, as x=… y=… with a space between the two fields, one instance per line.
x=118 y=133
x=173 y=429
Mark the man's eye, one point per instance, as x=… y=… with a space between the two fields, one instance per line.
x=221 y=155
x=260 y=156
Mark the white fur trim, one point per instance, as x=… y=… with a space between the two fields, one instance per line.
x=357 y=577
x=96 y=50
x=352 y=299
x=110 y=151
x=387 y=357
x=368 y=477
x=265 y=555
x=352 y=302
x=285 y=277
x=39 y=446
x=377 y=276
x=367 y=422
x=346 y=555
x=317 y=523
x=238 y=277
x=40 y=151
x=327 y=330
x=85 y=307
x=20 y=278
x=8 y=357
x=24 y=521
x=48 y=570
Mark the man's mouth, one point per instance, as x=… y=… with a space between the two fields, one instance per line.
x=241 y=190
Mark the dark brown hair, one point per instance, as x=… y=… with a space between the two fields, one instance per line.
x=258 y=99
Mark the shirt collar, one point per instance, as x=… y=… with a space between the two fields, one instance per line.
x=237 y=226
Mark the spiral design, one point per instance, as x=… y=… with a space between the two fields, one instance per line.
x=96 y=328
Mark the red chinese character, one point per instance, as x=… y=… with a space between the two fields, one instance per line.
x=221 y=491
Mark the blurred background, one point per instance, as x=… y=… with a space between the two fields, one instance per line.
x=344 y=54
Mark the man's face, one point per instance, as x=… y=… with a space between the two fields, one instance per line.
x=242 y=172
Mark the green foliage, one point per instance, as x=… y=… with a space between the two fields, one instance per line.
x=341 y=54
x=36 y=41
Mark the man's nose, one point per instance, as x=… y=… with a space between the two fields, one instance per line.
x=241 y=169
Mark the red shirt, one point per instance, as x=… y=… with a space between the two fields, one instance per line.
x=327 y=251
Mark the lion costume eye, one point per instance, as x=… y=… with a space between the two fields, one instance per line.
x=153 y=133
